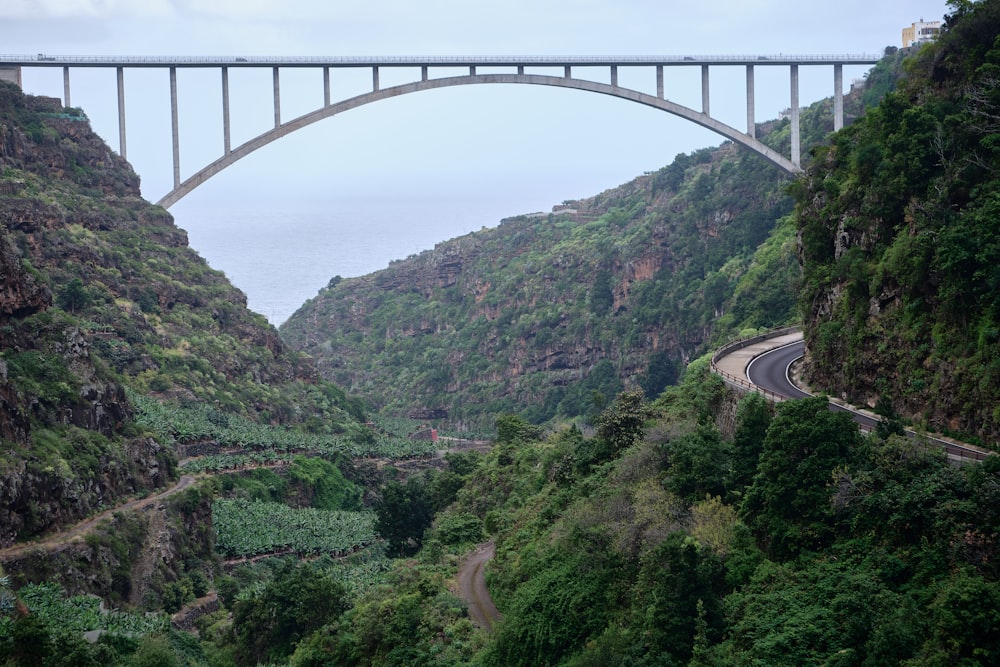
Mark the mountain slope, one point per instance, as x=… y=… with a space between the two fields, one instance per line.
x=898 y=222
x=100 y=294
x=552 y=314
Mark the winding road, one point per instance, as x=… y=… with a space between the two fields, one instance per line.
x=765 y=365
x=773 y=371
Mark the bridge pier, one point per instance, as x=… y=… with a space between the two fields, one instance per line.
x=326 y=86
x=838 y=97
x=751 y=114
x=226 y=144
x=277 y=97
x=794 y=69
x=568 y=72
x=659 y=81
x=174 y=129
x=614 y=76
x=121 y=113
x=66 y=87
x=704 y=90
x=11 y=74
x=375 y=86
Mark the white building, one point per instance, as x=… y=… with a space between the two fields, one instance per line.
x=920 y=32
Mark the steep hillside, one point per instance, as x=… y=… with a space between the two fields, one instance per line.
x=101 y=296
x=553 y=314
x=899 y=221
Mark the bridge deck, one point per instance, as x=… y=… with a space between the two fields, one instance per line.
x=43 y=60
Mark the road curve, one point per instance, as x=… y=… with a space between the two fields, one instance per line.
x=772 y=371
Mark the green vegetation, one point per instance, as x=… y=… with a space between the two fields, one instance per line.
x=249 y=528
x=899 y=226
x=676 y=524
x=260 y=443
x=552 y=317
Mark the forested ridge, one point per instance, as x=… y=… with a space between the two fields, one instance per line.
x=672 y=523
x=899 y=219
x=542 y=312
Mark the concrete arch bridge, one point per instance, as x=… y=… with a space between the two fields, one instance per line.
x=474 y=71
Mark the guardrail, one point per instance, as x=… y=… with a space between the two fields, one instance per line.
x=743 y=384
x=951 y=449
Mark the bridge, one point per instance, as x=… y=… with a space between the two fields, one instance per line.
x=531 y=70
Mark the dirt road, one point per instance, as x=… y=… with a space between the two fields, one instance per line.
x=472 y=587
x=79 y=530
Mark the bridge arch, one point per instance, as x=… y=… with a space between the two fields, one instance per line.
x=231 y=157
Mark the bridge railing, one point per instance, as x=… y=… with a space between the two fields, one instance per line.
x=48 y=60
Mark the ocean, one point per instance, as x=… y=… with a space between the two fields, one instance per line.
x=280 y=254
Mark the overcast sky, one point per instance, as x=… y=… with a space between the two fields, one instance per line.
x=468 y=136
x=531 y=146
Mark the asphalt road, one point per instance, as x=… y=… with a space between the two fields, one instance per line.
x=771 y=371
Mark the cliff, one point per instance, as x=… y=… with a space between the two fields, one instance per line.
x=898 y=225
x=101 y=296
x=552 y=314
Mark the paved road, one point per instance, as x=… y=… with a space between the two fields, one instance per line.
x=770 y=370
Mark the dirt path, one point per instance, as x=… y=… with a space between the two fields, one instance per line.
x=79 y=530
x=472 y=587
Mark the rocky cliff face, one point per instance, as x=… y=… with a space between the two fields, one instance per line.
x=536 y=315
x=49 y=382
x=100 y=292
x=898 y=221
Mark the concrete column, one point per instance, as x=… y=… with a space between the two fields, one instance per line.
x=794 y=75
x=326 y=86
x=568 y=72
x=614 y=76
x=704 y=90
x=838 y=97
x=751 y=115
x=66 y=86
x=121 y=113
x=277 y=96
x=659 y=81
x=520 y=69
x=472 y=70
x=423 y=72
x=226 y=143
x=11 y=74
x=375 y=78
x=175 y=133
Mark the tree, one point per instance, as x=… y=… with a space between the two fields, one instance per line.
x=514 y=429
x=404 y=513
x=299 y=601
x=753 y=417
x=661 y=372
x=788 y=505
x=697 y=464
x=621 y=425
x=74 y=296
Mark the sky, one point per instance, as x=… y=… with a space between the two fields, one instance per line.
x=518 y=149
